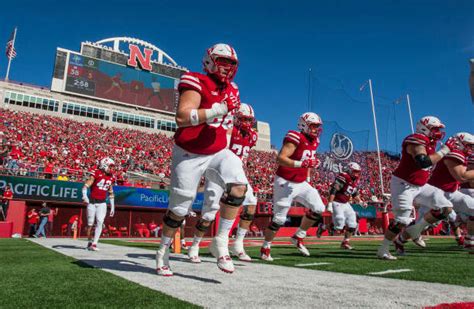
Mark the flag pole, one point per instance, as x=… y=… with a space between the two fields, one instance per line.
x=376 y=135
x=9 y=56
x=409 y=112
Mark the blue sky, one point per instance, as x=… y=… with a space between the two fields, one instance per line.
x=416 y=47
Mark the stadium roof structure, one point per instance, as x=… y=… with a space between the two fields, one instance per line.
x=161 y=56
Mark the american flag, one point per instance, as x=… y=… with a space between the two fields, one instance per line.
x=11 y=52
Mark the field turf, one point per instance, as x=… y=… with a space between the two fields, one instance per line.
x=35 y=277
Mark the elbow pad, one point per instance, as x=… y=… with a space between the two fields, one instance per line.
x=423 y=161
x=332 y=191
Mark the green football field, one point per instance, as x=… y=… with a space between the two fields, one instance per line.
x=442 y=261
x=35 y=277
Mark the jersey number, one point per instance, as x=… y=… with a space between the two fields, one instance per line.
x=241 y=151
x=308 y=154
x=104 y=184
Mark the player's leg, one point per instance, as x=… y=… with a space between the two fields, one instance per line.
x=226 y=169
x=282 y=199
x=246 y=217
x=91 y=210
x=309 y=197
x=351 y=225
x=101 y=211
x=402 y=195
x=212 y=195
x=186 y=172
x=464 y=205
x=440 y=206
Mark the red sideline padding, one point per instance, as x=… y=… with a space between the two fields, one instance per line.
x=6 y=229
x=290 y=231
x=17 y=214
x=452 y=306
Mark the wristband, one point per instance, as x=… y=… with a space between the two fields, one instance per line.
x=194 y=117
x=444 y=150
x=297 y=163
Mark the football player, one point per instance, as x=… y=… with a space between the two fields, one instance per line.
x=206 y=107
x=343 y=190
x=296 y=158
x=99 y=183
x=243 y=138
x=411 y=176
x=468 y=189
x=444 y=182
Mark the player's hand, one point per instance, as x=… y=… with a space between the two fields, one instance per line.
x=85 y=199
x=329 y=207
x=309 y=163
x=450 y=143
x=112 y=212
x=232 y=101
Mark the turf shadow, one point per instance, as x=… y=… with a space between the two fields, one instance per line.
x=68 y=247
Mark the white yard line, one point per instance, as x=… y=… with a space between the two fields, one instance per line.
x=257 y=285
x=313 y=264
x=390 y=271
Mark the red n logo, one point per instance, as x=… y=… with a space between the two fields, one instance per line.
x=135 y=53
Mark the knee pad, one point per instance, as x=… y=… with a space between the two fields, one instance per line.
x=314 y=216
x=172 y=222
x=274 y=226
x=201 y=226
x=231 y=200
x=246 y=216
x=441 y=214
x=351 y=230
x=395 y=227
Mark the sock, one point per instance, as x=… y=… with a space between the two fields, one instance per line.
x=385 y=244
x=300 y=233
x=224 y=227
x=416 y=229
x=267 y=244
x=241 y=234
x=197 y=241
x=98 y=231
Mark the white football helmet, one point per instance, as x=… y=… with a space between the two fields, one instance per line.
x=221 y=60
x=431 y=127
x=464 y=142
x=245 y=117
x=106 y=163
x=307 y=120
x=353 y=169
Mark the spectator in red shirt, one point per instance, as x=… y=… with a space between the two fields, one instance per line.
x=7 y=196
x=33 y=219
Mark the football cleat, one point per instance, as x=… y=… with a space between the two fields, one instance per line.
x=345 y=245
x=237 y=249
x=419 y=242
x=265 y=254
x=193 y=254
x=298 y=242
x=385 y=255
x=162 y=262
x=93 y=247
x=89 y=244
x=220 y=250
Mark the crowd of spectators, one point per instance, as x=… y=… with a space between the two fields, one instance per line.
x=61 y=148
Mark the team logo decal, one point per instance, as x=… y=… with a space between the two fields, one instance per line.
x=341 y=146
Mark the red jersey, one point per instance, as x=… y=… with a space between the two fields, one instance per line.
x=407 y=169
x=441 y=177
x=209 y=137
x=101 y=185
x=348 y=190
x=7 y=195
x=305 y=149
x=242 y=141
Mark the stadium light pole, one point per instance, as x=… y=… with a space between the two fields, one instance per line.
x=376 y=131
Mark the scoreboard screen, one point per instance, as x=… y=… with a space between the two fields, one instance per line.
x=113 y=82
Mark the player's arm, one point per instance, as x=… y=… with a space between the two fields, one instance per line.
x=229 y=136
x=286 y=152
x=459 y=171
x=86 y=186
x=189 y=113
x=112 y=201
x=422 y=159
x=337 y=186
